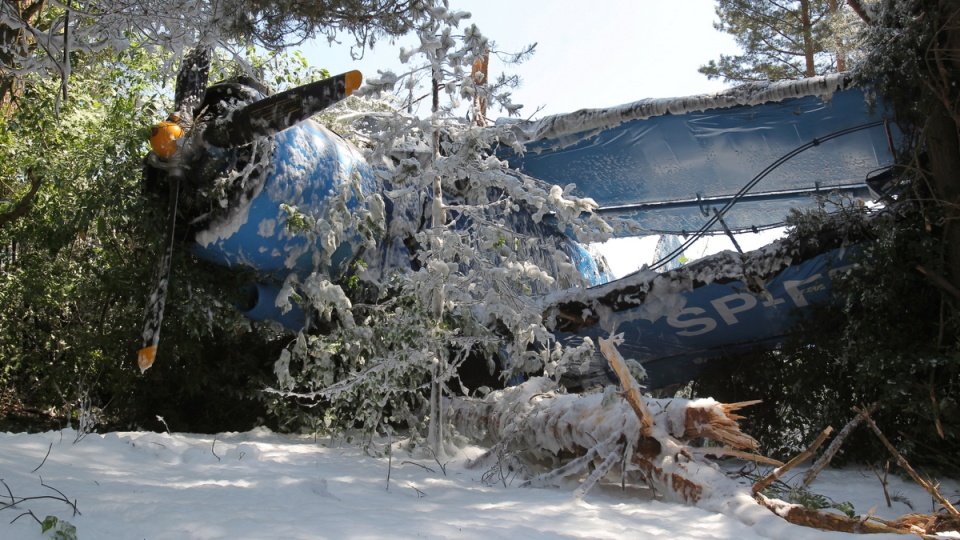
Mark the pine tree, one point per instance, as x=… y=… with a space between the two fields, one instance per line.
x=480 y=257
x=783 y=40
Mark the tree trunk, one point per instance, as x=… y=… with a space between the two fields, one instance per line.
x=839 y=50
x=809 y=47
x=547 y=427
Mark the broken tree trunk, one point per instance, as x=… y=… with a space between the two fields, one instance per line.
x=547 y=426
x=645 y=436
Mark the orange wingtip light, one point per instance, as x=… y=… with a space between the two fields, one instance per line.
x=146 y=356
x=163 y=138
x=352 y=80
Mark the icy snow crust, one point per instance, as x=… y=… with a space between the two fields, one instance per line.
x=259 y=484
x=570 y=128
x=309 y=168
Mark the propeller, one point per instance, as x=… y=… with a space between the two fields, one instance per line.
x=175 y=145
x=192 y=82
x=166 y=139
x=280 y=111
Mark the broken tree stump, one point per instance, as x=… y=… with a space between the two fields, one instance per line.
x=545 y=426
x=648 y=438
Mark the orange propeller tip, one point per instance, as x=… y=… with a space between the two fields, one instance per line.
x=146 y=356
x=352 y=80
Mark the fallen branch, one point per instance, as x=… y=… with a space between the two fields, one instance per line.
x=16 y=501
x=835 y=445
x=800 y=458
x=902 y=462
x=806 y=517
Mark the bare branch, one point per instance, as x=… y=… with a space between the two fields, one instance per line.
x=902 y=462
x=49 y=448
x=800 y=458
x=23 y=206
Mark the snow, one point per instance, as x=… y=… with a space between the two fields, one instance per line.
x=261 y=484
x=570 y=128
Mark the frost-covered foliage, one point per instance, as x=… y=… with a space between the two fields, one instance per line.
x=44 y=38
x=456 y=277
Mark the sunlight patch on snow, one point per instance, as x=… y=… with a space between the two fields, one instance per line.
x=307 y=488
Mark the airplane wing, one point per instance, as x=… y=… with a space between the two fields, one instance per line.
x=750 y=153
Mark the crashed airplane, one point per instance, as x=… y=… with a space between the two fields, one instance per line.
x=723 y=163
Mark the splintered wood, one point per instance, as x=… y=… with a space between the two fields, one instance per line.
x=548 y=427
x=647 y=439
x=714 y=421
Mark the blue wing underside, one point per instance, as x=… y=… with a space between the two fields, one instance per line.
x=667 y=174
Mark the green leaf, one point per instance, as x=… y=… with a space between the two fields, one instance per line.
x=48 y=523
x=62 y=530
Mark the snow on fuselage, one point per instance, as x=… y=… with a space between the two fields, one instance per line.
x=306 y=169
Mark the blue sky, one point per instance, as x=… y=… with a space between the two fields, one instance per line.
x=589 y=54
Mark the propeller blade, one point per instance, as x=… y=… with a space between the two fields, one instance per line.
x=188 y=96
x=281 y=111
x=192 y=81
x=153 y=314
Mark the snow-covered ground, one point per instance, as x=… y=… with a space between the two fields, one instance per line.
x=261 y=484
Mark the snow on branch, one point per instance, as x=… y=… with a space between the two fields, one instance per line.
x=650 y=440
